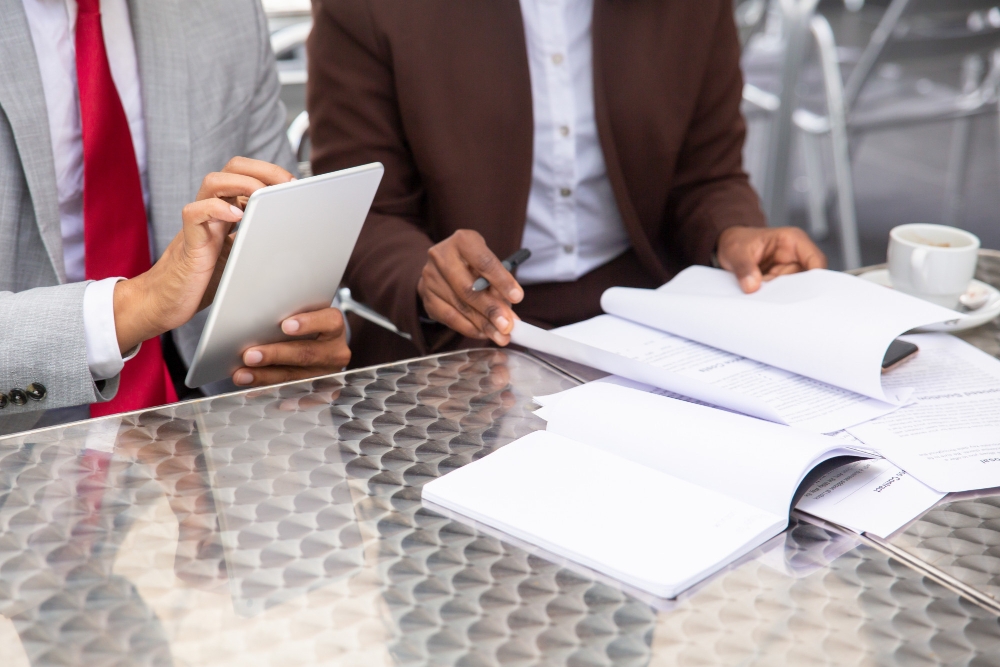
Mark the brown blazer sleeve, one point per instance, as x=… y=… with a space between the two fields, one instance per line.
x=354 y=119
x=711 y=191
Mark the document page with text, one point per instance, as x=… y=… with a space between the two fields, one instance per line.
x=595 y=356
x=950 y=438
x=873 y=496
x=797 y=401
x=824 y=325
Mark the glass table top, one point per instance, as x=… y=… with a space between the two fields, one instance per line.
x=284 y=527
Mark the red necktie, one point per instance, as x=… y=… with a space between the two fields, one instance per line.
x=115 y=235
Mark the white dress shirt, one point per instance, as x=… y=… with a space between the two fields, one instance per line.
x=573 y=224
x=53 y=32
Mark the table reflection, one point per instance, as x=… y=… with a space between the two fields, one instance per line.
x=284 y=527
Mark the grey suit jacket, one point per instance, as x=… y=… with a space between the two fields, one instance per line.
x=210 y=92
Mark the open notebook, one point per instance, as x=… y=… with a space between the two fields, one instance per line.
x=805 y=351
x=655 y=492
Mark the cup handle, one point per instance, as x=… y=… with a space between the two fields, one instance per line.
x=918 y=265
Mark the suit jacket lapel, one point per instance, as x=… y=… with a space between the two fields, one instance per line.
x=604 y=41
x=158 y=28
x=22 y=99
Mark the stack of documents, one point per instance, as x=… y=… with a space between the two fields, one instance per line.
x=720 y=408
x=805 y=351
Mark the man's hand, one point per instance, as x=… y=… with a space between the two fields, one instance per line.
x=757 y=254
x=446 y=288
x=185 y=278
x=324 y=352
x=183 y=281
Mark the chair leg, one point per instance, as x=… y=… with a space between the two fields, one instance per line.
x=812 y=155
x=957 y=170
x=834 y=85
x=795 y=26
x=972 y=74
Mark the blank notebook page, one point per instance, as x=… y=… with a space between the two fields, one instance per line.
x=638 y=525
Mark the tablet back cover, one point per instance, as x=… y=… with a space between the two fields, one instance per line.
x=289 y=257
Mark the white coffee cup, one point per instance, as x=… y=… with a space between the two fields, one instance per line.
x=932 y=262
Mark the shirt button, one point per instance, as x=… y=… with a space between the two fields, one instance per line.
x=568 y=249
x=18 y=397
x=3 y=401
x=557 y=58
x=564 y=130
x=565 y=192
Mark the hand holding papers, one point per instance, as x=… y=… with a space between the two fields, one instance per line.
x=701 y=337
x=806 y=350
x=823 y=325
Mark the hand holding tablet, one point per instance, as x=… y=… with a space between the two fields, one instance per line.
x=282 y=274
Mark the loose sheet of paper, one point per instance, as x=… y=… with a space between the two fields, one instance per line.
x=872 y=496
x=950 y=439
x=639 y=525
x=797 y=401
x=758 y=462
x=823 y=325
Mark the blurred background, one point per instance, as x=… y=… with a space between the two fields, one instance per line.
x=863 y=114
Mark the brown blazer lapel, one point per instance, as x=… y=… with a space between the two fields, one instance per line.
x=507 y=145
x=606 y=41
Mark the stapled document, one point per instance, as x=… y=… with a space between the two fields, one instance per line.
x=872 y=496
x=804 y=351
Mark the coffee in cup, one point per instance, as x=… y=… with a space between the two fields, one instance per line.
x=932 y=262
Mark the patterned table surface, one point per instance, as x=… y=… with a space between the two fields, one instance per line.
x=284 y=527
x=960 y=537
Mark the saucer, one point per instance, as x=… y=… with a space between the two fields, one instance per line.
x=963 y=320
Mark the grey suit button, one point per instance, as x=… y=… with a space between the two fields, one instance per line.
x=36 y=391
x=3 y=401
x=18 y=397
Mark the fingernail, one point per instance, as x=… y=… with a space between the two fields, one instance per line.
x=293 y=180
x=238 y=212
x=243 y=378
x=253 y=357
x=515 y=295
x=290 y=326
x=502 y=323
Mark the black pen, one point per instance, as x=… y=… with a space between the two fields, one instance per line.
x=511 y=263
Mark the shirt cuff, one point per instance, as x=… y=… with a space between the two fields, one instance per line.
x=103 y=356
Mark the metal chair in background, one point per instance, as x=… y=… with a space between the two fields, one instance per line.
x=790 y=20
x=751 y=16
x=282 y=13
x=289 y=46
x=878 y=95
x=298 y=138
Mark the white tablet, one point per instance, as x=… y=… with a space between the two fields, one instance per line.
x=289 y=256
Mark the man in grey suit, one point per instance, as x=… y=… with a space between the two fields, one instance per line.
x=197 y=84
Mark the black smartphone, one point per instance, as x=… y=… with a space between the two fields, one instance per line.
x=897 y=353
